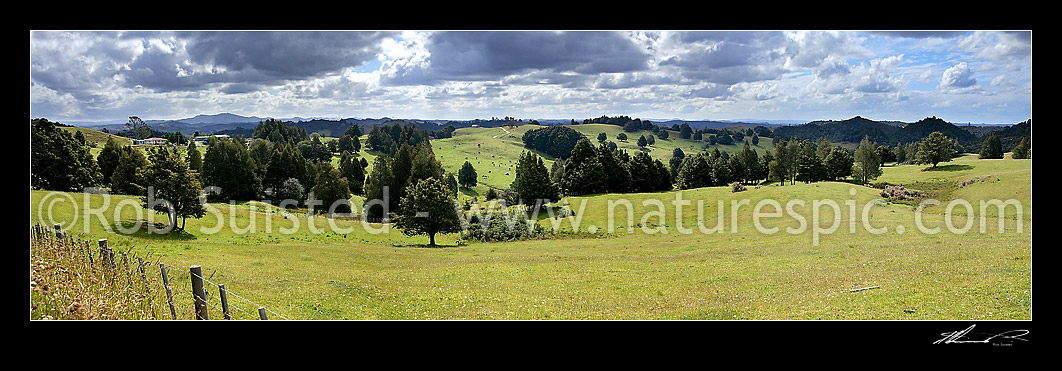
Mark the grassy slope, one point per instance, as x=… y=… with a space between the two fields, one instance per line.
x=742 y=275
x=494 y=152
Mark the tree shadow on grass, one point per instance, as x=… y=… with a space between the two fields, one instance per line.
x=426 y=245
x=949 y=167
x=149 y=231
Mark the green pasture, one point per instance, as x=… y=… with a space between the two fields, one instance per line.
x=306 y=268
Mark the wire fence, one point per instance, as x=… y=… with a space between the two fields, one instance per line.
x=72 y=279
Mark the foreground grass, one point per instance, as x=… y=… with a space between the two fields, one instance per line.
x=638 y=273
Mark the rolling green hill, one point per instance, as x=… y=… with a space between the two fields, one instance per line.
x=738 y=272
x=495 y=151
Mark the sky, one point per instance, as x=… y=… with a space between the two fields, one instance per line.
x=959 y=76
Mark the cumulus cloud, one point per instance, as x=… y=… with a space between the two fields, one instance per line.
x=957 y=78
x=465 y=73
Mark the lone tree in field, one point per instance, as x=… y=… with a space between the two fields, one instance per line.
x=467 y=176
x=428 y=208
x=867 y=163
x=935 y=148
x=171 y=179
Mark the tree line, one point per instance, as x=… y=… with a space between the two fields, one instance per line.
x=280 y=161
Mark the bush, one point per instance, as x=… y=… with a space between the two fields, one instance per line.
x=502 y=226
x=900 y=193
x=737 y=187
x=291 y=189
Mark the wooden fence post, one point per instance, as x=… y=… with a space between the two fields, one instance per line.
x=58 y=232
x=105 y=252
x=199 y=293
x=224 y=301
x=169 y=293
x=262 y=313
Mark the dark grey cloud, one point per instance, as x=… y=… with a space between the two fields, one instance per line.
x=283 y=55
x=189 y=61
x=729 y=57
x=491 y=55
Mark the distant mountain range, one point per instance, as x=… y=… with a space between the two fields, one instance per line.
x=850 y=130
x=891 y=133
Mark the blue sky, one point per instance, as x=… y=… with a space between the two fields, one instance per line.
x=960 y=76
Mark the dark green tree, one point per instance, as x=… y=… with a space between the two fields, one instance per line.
x=332 y=189
x=809 y=167
x=58 y=162
x=424 y=165
x=685 y=132
x=677 y=155
x=261 y=150
x=312 y=149
x=107 y=160
x=170 y=179
x=351 y=169
x=991 y=148
x=350 y=141
x=934 y=149
x=532 y=180
x=617 y=178
x=129 y=178
x=467 y=176
x=194 y=158
x=379 y=185
x=583 y=173
x=866 y=165
x=695 y=172
x=428 y=208
x=838 y=163
x=228 y=166
x=642 y=142
x=80 y=137
x=401 y=167
x=285 y=163
x=1022 y=150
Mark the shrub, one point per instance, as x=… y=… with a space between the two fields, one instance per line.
x=900 y=193
x=502 y=226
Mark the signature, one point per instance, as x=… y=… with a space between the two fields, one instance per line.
x=959 y=337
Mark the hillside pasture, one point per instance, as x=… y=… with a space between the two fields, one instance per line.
x=353 y=271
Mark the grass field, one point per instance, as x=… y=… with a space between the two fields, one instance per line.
x=495 y=151
x=739 y=272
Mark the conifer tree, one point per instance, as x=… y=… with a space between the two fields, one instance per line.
x=170 y=179
x=532 y=181
x=866 y=166
x=991 y=148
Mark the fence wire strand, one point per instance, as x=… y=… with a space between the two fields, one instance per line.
x=77 y=247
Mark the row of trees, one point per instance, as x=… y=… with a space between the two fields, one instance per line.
x=236 y=171
x=992 y=147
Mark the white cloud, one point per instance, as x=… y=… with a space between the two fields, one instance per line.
x=466 y=75
x=958 y=78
